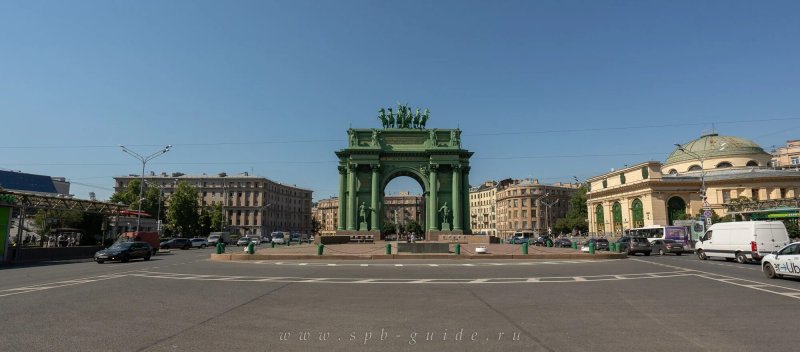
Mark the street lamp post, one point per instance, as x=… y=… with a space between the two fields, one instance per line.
x=549 y=213
x=144 y=160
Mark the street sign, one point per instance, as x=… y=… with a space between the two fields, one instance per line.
x=708 y=221
x=707 y=213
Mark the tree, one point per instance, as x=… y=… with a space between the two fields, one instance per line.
x=130 y=197
x=389 y=228
x=216 y=216
x=414 y=226
x=204 y=222
x=315 y=226
x=792 y=228
x=576 y=214
x=182 y=213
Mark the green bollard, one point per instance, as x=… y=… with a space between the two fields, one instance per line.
x=320 y=248
x=272 y=243
x=549 y=243
x=388 y=249
x=288 y=242
x=525 y=248
x=220 y=250
x=575 y=245
x=251 y=248
x=458 y=249
x=591 y=248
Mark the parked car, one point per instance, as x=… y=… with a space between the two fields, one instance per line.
x=562 y=242
x=541 y=241
x=599 y=243
x=279 y=237
x=784 y=262
x=182 y=243
x=216 y=237
x=124 y=251
x=521 y=237
x=243 y=241
x=633 y=245
x=199 y=243
x=742 y=240
x=663 y=247
x=256 y=240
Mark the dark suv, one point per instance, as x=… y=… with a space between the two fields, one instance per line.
x=599 y=243
x=182 y=243
x=633 y=245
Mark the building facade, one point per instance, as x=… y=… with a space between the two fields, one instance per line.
x=251 y=204
x=326 y=212
x=723 y=168
x=787 y=157
x=531 y=206
x=482 y=203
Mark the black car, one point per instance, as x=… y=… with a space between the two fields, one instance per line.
x=182 y=243
x=124 y=251
x=562 y=242
x=633 y=245
x=599 y=243
x=667 y=246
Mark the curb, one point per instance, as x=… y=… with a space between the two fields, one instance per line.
x=241 y=257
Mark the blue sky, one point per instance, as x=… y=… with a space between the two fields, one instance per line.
x=543 y=89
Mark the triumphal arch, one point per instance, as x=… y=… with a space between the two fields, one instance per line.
x=403 y=146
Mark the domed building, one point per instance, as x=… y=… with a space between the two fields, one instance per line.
x=653 y=193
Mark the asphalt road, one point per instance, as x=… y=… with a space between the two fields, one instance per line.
x=184 y=302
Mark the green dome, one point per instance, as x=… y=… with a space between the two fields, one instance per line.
x=712 y=146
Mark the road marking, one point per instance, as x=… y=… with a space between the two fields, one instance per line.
x=478 y=264
x=753 y=285
x=346 y=280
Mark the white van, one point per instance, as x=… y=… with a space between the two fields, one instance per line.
x=743 y=241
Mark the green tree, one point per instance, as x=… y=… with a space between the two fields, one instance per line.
x=182 y=213
x=127 y=196
x=315 y=226
x=389 y=228
x=204 y=222
x=413 y=226
x=216 y=216
x=577 y=214
x=792 y=228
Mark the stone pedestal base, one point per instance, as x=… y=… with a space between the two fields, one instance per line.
x=362 y=226
x=446 y=226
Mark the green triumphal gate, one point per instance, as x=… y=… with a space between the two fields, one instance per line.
x=404 y=147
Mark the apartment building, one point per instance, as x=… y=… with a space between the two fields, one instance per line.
x=326 y=212
x=788 y=156
x=482 y=204
x=251 y=204
x=528 y=205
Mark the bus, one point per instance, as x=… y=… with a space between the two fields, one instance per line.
x=659 y=232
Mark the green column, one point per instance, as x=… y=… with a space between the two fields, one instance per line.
x=5 y=215
x=466 y=227
x=351 y=197
x=342 y=191
x=374 y=191
x=433 y=213
x=456 y=189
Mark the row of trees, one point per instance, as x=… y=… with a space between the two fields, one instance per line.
x=183 y=217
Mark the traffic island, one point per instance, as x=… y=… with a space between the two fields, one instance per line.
x=397 y=251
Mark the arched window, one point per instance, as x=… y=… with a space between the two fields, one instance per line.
x=723 y=165
x=752 y=163
x=616 y=214
x=673 y=172
x=695 y=168
x=599 y=218
x=638 y=213
x=676 y=209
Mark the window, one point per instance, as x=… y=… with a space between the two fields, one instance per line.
x=515 y=203
x=524 y=202
x=695 y=168
x=754 y=193
x=726 y=196
x=752 y=163
x=724 y=164
x=673 y=172
x=795 y=160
